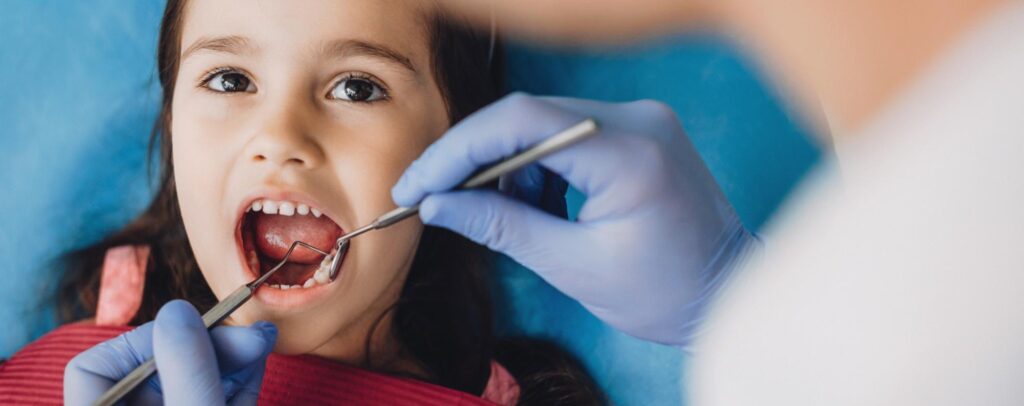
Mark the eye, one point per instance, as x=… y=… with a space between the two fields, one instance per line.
x=356 y=89
x=229 y=82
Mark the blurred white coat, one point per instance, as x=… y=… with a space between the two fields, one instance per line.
x=899 y=278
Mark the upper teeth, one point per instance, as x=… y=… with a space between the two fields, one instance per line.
x=283 y=207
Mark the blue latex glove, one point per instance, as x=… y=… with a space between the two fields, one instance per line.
x=653 y=240
x=194 y=366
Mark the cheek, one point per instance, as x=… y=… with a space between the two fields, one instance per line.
x=370 y=151
x=368 y=157
x=190 y=162
x=200 y=170
x=203 y=148
x=366 y=171
x=196 y=161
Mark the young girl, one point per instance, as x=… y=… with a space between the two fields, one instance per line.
x=292 y=120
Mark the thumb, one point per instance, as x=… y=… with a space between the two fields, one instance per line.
x=242 y=355
x=531 y=237
x=185 y=359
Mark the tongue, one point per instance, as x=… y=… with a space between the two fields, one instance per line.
x=275 y=233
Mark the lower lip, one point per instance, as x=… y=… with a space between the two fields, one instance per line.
x=294 y=297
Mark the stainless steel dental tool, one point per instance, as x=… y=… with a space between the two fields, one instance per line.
x=578 y=132
x=218 y=313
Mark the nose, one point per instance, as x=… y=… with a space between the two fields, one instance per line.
x=285 y=139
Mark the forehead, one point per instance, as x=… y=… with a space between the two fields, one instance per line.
x=297 y=26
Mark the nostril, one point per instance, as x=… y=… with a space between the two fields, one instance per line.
x=293 y=160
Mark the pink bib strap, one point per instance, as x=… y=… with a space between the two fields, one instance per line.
x=501 y=388
x=121 y=284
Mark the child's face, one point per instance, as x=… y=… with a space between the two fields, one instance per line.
x=315 y=102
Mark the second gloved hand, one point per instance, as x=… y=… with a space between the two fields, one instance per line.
x=194 y=366
x=653 y=240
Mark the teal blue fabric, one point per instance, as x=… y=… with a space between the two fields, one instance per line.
x=78 y=97
x=77 y=101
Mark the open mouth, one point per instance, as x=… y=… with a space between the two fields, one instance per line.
x=269 y=227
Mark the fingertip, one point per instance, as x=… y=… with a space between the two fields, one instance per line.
x=179 y=313
x=429 y=209
x=464 y=212
x=437 y=209
x=184 y=355
x=404 y=193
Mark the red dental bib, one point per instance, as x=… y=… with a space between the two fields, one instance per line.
x=35 y=376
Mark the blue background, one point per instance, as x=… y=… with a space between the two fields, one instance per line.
x=78 y=95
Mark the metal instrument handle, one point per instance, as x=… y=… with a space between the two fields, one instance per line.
x=227 y=306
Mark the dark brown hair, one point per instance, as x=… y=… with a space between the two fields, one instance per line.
x=443 y=318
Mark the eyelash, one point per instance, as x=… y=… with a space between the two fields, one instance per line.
x=385 y=93
x=204 y=83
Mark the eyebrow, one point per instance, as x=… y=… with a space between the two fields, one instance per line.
x=351 y=47
x=345 y=47
x=231 y=44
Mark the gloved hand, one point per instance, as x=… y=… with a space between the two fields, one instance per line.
x=653 y=240
x=194 y=366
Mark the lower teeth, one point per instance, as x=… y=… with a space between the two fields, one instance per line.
x=322 y=276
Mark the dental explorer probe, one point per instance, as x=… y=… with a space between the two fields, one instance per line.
x=218 y=313
x=578 y=132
